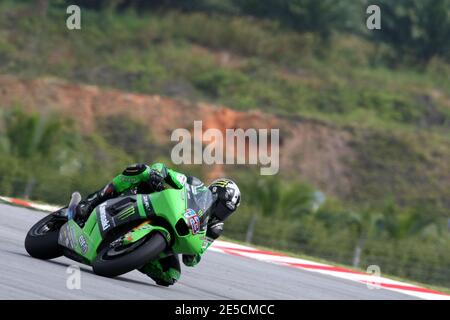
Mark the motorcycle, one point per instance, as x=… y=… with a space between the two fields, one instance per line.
x=125 y=233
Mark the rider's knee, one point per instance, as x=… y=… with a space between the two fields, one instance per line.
x=165 y=283
x=134 y=169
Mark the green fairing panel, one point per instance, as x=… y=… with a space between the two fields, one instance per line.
x=143 y=230
x=82 y=243
x=171 y=205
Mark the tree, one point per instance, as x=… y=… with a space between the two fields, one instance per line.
x=321 y=17
x=279 y=200
x=415 y=28
x=394 y=223
x=42 y=7
x=263 y=196
x=34 y=139
x=366 y=222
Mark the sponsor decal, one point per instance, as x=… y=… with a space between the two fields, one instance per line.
x=189 y=213
x=129 y=179
x=83 y=244
x=103 y=218
x=195 y=224
x=146 y=201
x=72 y=237
x=193 y=220
x=63 y=239
x=66 y=236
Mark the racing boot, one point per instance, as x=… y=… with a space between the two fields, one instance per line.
x=85 y=207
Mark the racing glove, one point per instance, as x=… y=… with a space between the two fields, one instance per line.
x=156 y=181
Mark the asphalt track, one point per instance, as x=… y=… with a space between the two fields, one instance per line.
x=218 y=276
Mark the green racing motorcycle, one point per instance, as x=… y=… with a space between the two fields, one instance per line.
x=125 y=233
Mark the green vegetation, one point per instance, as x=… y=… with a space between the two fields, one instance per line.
x=407 y=241
x=44 y=157
x=389 y=90
x=416 y=29
x=232 y=60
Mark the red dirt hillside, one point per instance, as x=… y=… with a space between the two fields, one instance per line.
x=312 y=150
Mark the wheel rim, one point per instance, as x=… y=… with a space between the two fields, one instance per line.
x=46 y=227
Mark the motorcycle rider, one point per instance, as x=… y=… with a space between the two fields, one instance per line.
x=141 y=178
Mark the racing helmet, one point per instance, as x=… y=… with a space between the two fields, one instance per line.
x=228 y=197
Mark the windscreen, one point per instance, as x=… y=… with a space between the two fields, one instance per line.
x=200 y=199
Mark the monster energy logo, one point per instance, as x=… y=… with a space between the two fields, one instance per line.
x=126 y=213
x=220 y=183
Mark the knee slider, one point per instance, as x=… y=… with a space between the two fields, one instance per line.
x=134 y=169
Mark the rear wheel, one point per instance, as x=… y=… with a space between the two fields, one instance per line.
x=42 y=240
x=114 y=260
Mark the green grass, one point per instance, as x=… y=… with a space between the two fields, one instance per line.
x=185 y=55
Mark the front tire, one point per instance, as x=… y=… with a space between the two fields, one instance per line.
x=42 y=240
x=110 y=262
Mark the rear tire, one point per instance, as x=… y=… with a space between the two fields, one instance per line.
x=111 y=266
x=42 y=240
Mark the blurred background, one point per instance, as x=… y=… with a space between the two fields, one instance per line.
x=364 y=115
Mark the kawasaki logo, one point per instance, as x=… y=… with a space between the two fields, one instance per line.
x=103 y=219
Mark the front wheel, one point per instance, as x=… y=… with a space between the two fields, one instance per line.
x=112 y=260
x=42 y=240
